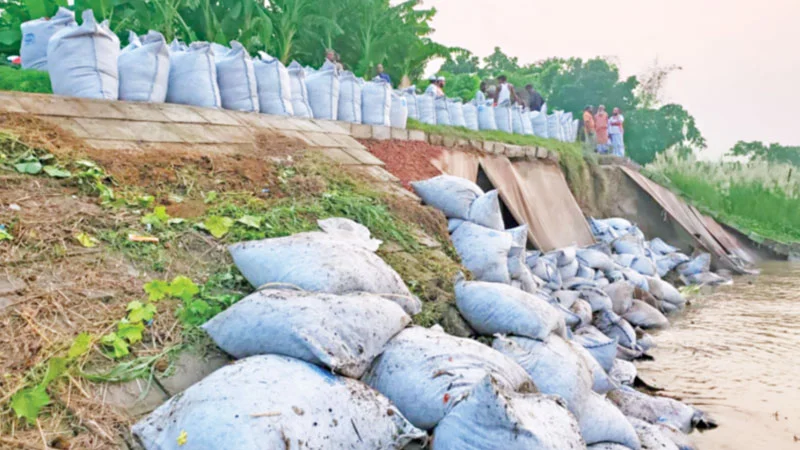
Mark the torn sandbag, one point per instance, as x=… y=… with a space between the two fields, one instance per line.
x=426 y=372
x=266 y=401
x=343 y=333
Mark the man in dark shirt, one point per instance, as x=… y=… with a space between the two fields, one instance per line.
x=383 y=75
x=535 y=100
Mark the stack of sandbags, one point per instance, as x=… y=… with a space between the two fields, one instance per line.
x=410 y=94
x=236 y=78
x=323 y=91
x=37 y=33
x=442 y=105
x=350 y=98
x=456 y=111
x=274 y=86
x=486 y=117
x=144 y=68
x=297 y=77
x=503 y=117
x=193 y=75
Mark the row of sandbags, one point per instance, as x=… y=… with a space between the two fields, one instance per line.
x=86 y=61
x=574 y=332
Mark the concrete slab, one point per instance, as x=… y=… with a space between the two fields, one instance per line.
x=217 y=116
x=345 y=141
x=363 y=156
x=449 y=141
x=8 y=104
x=381 y=133
x=488 y=146
x=476 y=144
x=462 y=142
x=514 y=151
x=190 y=368
x=417 y=135
x=380 y=174
x=340 y=156
x=134 y=398
x=297 y=135
x=541 y=152
x=361 y=131
x=130 y=131
x=68 y=124
x=399 y=133
x=332 y=126
x=51 y=105
x=181 y=113
x=321 y=139
x=100 y=109
x=108 y=144
x=210 y=134
x=435 y=139
x=529 y=152
x=256 y=120
x=552 y=156
x=137 y=111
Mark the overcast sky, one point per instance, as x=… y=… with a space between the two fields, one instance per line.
x=740 y=58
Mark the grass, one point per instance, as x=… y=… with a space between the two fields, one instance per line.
x=758 y=198
x=21 y=80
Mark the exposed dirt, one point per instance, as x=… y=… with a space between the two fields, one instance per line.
x=407 y=160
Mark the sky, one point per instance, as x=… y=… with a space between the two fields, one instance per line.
x=739 y=59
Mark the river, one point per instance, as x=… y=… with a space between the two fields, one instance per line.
x=735 y=353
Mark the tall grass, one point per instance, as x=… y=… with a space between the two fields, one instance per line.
x=755 y=197
x=15 y=79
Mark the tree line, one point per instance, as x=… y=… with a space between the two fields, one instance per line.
x=366 y=33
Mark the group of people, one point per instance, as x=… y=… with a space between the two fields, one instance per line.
x=604 y=132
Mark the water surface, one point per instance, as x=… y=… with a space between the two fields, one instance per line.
x=735 y=353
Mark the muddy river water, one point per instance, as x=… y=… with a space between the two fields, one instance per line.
x=735 y=353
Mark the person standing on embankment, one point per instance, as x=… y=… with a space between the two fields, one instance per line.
x=616 y=131
x=601 y=129
x=589 y=126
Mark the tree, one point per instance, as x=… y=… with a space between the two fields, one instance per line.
x=774 y=153
x=463 y=86
x=499 y=63
x=461 y=61
x=650 y=131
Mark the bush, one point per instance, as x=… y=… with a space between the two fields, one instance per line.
x=15 y=79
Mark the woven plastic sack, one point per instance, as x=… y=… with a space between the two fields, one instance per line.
x=486 y=118
x=238 y=88
x=426 y=109
x=323 y=92
x=399 y=116
x=602 y=422
x=616 y=327
x=297 y=77
x=274 y=86
x=350 y=98
x=410 y=95
x=193 y=75
x=516 y=120
x=144 y=68
x=442 y=105
x=37 y=33
x=426 y=372
x=456 y=110
x=470 y=116
x=651 y=436
x=82 y=61
x=527 y=128
x=553 y=127
x=449 y=194
x=602 y=347
x=269 y=401
x=495 y=418
x=485 y=211
x=539 y=124
x=483 y=251
x=655 y=409
x=644 y=316
x=376 y=102
x=492 y=308
x=343 y=333
x=503 y=117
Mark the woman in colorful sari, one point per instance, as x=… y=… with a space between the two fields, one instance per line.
x=616 y=132
x=601 y=129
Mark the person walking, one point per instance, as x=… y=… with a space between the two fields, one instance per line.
x=589 y=126
x=616 y=131
x=601 y=129
x=535 y=99
x=383 y=75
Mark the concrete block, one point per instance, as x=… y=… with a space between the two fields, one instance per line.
x=361 y=131
x=142 y=112
x=529 y=152
x=8 y=104
x=329 y=126
x=340 y=156
x=514 y=151
x=190 y=368
x=541 y=152
x=498 y=148
x=381 y=133
x=181 y=113
x=417 y=135
x=552 y=156
x=68 y=124
x=134 y=398
x=488 y=146
x=363 y=156
x=476 y=144
x=400 y=134
x=462 y=143
x=435 y=139
x=100 y=109
x=51 y=105
x=449 y=141
x=320 y=139
x=345 y=141
x=218 y=116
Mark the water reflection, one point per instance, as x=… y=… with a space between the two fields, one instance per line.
x=735 y=354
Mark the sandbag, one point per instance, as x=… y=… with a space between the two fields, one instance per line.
x=411 y=102
x=426 y=109
x=323 y=92
x=399 y=116
x=297 y=78
x=644 y=266
x=661 y=247
x=483 y=252
x=655 y=409
x=449 y=194
x=494 y=418
x=193 y=75
x=539 y=124
x=442 y=105
x=36 y=34
x=595 y=259
x=597 y=298
x=486 y=119
x=583 y=310
x=351 y=98
x=426 y=372
x=602 y=347
x=548 y=272
x=452 y=224
x=485 y=211
x=516 y=255
x=621 y=294
x=238 y=88
x=470 y=116
x=602 y=422
x=665 y=292
x=670 y=261
x=616 y=327
x=623 y=372
x=503 y=117
x=553 y=127
x=349 y=230
x=343 y=333
x=554 y=365
x=320 y=263
x=270 y=401
x=376 y=103
x=585 y=272
x=644 y=316
x=274 y=86
x=699 y=264
x=516 y=120
x=492 y=308
x=569 y=270
x=144 y=68
x=456 y=111
x=526 y=123
x=82 y=61
x=651 y=436
x=601 y=382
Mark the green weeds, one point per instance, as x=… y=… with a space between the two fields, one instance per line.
x=21 y=80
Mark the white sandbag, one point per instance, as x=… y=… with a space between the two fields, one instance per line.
x=595 y=259
x=410 y=94
x=655 y=409
x=602 y=422
x=485 y=211
x=144 y=68
x=548 y=272
x=583 y=310
x=516 y=120
x=376 y=103
x=426 y=372
x=699 y=264
x=399 y=114
x=661 y=247
x=492 y=308
x=442 y=105
x=343 y=333
x=193 y=75
x=319 y=262
x=585 y=272
x=350 y=98
x=36 y=34
x=616 y=327
x=270 y=401
x=297 y=77
x=539 y=123
x=456 y=111
x=607 y=446
x=449 y=194
x=494 y=418
x=602 y=347
x=570 y=270
x=82 y=61
x=274 y=86
x=553 y=364
x=601 y=382
x=452 y=224
x=483 y=252
x=527 y=129
x=323 y=92
x=644 y=266
x=503 y=117
x=621 y=294
x=644 y=316
x=651 y=436
x=666 y=263
x=426 y=109
x=516 y=256
x=665 y=292
x=623 y=372
x=486 y=118
x=470 y=116
x=238 y=89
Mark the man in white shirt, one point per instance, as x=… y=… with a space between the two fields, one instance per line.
x=616 y=132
